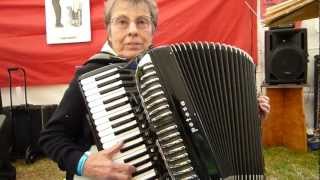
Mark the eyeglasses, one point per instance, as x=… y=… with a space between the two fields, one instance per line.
x=123 y=22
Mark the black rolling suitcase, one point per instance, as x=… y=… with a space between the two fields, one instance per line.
x=26 y=120
x=7 y=170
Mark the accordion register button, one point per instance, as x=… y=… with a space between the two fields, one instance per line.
x=154 y=95
x=171 y=136
x=152 y=88
x=149 y=82
x=170 y=144
x=147 y=66
x=147 y=75
x=163 y=107
x=161 y=116
x=178 y=165
x=173 y=151
x=179 y=173
x=175 y=158
x=156 y=102
x=170 y=128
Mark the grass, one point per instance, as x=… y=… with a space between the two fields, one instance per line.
x=42 y=169
x=280 y=164
x=283 y=164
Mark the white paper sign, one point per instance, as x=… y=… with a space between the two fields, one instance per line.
x=67 y=21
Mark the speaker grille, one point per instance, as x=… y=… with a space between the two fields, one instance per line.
x=287 y=62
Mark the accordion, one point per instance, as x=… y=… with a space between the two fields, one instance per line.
x=187 y=111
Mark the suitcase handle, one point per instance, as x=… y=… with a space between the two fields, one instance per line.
x=10 y=70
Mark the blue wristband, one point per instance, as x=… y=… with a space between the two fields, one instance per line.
x=81 y=163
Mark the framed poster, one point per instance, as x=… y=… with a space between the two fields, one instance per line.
x=67 y=21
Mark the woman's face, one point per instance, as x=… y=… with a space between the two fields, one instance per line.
x=130 y=29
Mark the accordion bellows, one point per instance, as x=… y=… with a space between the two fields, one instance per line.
x=211 y=94
x=200 y=104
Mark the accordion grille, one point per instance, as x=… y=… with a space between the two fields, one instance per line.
x=160 y=116
x=218 y=83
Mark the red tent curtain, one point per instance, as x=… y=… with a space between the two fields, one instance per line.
x=23 y=36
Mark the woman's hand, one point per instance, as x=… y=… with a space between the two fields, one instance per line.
x=264 y=106
x=101 y=166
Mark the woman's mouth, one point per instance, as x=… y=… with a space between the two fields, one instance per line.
x=134 y=46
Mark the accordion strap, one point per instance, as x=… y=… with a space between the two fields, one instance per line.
x=105 y=58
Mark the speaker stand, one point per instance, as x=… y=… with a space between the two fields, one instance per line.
x=285 y=125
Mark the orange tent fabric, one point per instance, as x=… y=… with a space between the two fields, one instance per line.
x=23 y=36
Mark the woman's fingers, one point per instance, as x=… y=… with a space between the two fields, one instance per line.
x=101 y=164
x=123 y=168
x=113 y=150
x=264 y=106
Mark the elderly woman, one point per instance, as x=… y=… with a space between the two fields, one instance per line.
x=131 y=25
x=66 y=137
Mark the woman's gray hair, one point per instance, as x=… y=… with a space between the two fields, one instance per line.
x=152 y=5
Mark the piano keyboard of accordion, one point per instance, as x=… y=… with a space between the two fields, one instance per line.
x=201 y=100
x=116 y=115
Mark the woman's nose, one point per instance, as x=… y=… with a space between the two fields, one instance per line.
x=132 y=28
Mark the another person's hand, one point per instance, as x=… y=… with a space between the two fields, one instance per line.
x=101 y=166
x=264 y=106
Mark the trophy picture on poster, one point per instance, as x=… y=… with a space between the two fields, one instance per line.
x=67 y=21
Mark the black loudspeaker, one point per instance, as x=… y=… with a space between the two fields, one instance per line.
x=286 y=55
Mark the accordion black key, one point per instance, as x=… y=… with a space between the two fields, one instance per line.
x=193 y=107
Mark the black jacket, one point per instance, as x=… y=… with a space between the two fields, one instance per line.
x=67 y=134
